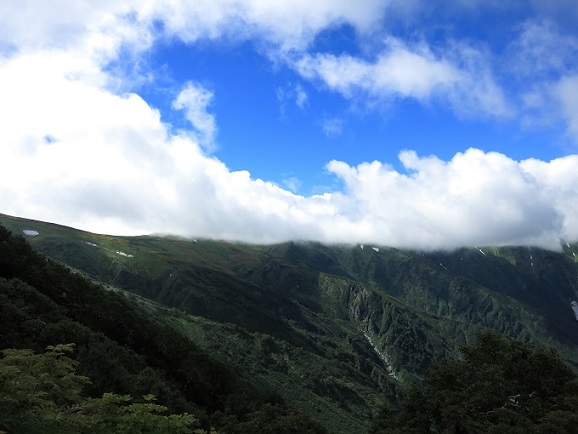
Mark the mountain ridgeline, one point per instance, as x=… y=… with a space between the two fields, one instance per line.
x=233 y=333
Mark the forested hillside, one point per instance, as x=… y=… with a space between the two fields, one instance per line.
x=118 y=349
x=240 y=335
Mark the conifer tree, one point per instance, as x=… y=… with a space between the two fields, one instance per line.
x=496 y=386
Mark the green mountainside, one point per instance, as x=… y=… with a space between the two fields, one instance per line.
x=333 y=332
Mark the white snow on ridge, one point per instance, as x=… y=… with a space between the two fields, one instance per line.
x=376 y=249
x=124 y=254
x=90 y=244
x=30 y=232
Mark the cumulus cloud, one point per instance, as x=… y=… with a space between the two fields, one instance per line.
x=113 y=166
x=77 y=149
x=36 y=25
x=475 y=198
x=557 y=180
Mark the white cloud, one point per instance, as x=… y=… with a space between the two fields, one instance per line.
x=294 y=94
x=300 y=97
x=287 y=25
x=113 y=166
x=544 y=63
x=77 y=150
x=474 y=199
x=541 y=49
x=36 y=24
x=566 y=92
x=411 y=72
x=398 y=71
x=194 y=99
x=332 y=127
x=557 y=180
x=292 y=183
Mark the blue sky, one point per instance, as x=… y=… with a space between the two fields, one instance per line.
x=405 y=123
x=279 y=125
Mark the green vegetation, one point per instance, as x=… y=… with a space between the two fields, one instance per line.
x=41 y=393
x=496 y=386
x=241 y=335
x=121 y=351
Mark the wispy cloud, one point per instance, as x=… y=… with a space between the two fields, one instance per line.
x=401 y=72
x=566 y=90
x=292 y=183
x=332 y=127
x=301 y=97
x=544 y=62
x=286 y=26
x=195 y=100
x=541 y=50
x=293 y=94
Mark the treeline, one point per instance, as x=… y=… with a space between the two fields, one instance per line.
x=121 y=351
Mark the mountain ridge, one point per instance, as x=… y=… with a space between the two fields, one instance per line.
x=337 y=330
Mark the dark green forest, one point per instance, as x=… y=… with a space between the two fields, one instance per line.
x=101 y=334
x=495 y=386
x=120 y=355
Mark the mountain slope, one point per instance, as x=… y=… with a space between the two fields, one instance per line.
x=123 y=349
x=335 y=330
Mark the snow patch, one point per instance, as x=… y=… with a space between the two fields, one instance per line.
x=376 y=249
x=361 y=246
x=31 y=232
x=118 y=252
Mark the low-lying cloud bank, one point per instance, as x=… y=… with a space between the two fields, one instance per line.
x=106 y=163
